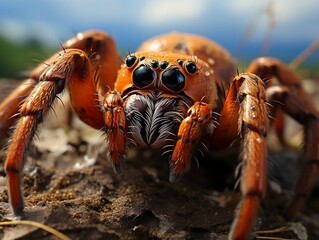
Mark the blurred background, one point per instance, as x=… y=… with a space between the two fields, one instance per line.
x=247 y=28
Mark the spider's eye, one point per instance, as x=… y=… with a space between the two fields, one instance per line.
x=130 y=60
x=180 y=62
x=191 y=67
x=154 y=64
x=143 y=76
x=173 y=79
x=163 y=65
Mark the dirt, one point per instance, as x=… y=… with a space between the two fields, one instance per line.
x=87 y=200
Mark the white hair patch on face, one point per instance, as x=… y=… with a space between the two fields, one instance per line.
x=152 y=119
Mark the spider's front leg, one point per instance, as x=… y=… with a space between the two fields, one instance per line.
x=252 y=126
x=70 y=65
x=10 y=106
x=296 y=102
x=245 y=112
x=101 y=51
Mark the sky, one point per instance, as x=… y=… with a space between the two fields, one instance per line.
x=280 y=28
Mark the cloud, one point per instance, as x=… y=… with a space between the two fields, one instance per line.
x=167 y=12
x=93 y=11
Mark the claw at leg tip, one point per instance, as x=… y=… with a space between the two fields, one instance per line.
x=18 y=213
x=175 y=173
x=118 y=167
x=174 y=176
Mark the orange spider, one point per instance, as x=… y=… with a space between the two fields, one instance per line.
x=175 y=92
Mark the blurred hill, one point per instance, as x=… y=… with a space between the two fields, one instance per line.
x=17 y=58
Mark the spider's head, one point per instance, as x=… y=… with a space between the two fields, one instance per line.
x=158 y=89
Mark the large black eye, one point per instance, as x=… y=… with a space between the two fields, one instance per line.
x=191 y=67
x=130 y=60
x=173 y=79
x=143 y=76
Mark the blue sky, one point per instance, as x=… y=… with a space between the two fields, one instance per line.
x=296 y=23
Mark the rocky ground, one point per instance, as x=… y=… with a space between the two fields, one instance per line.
x=69 y=186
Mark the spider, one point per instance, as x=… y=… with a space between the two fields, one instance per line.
x=176 y=92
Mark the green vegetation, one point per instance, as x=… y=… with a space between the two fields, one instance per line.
x=16 y=58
